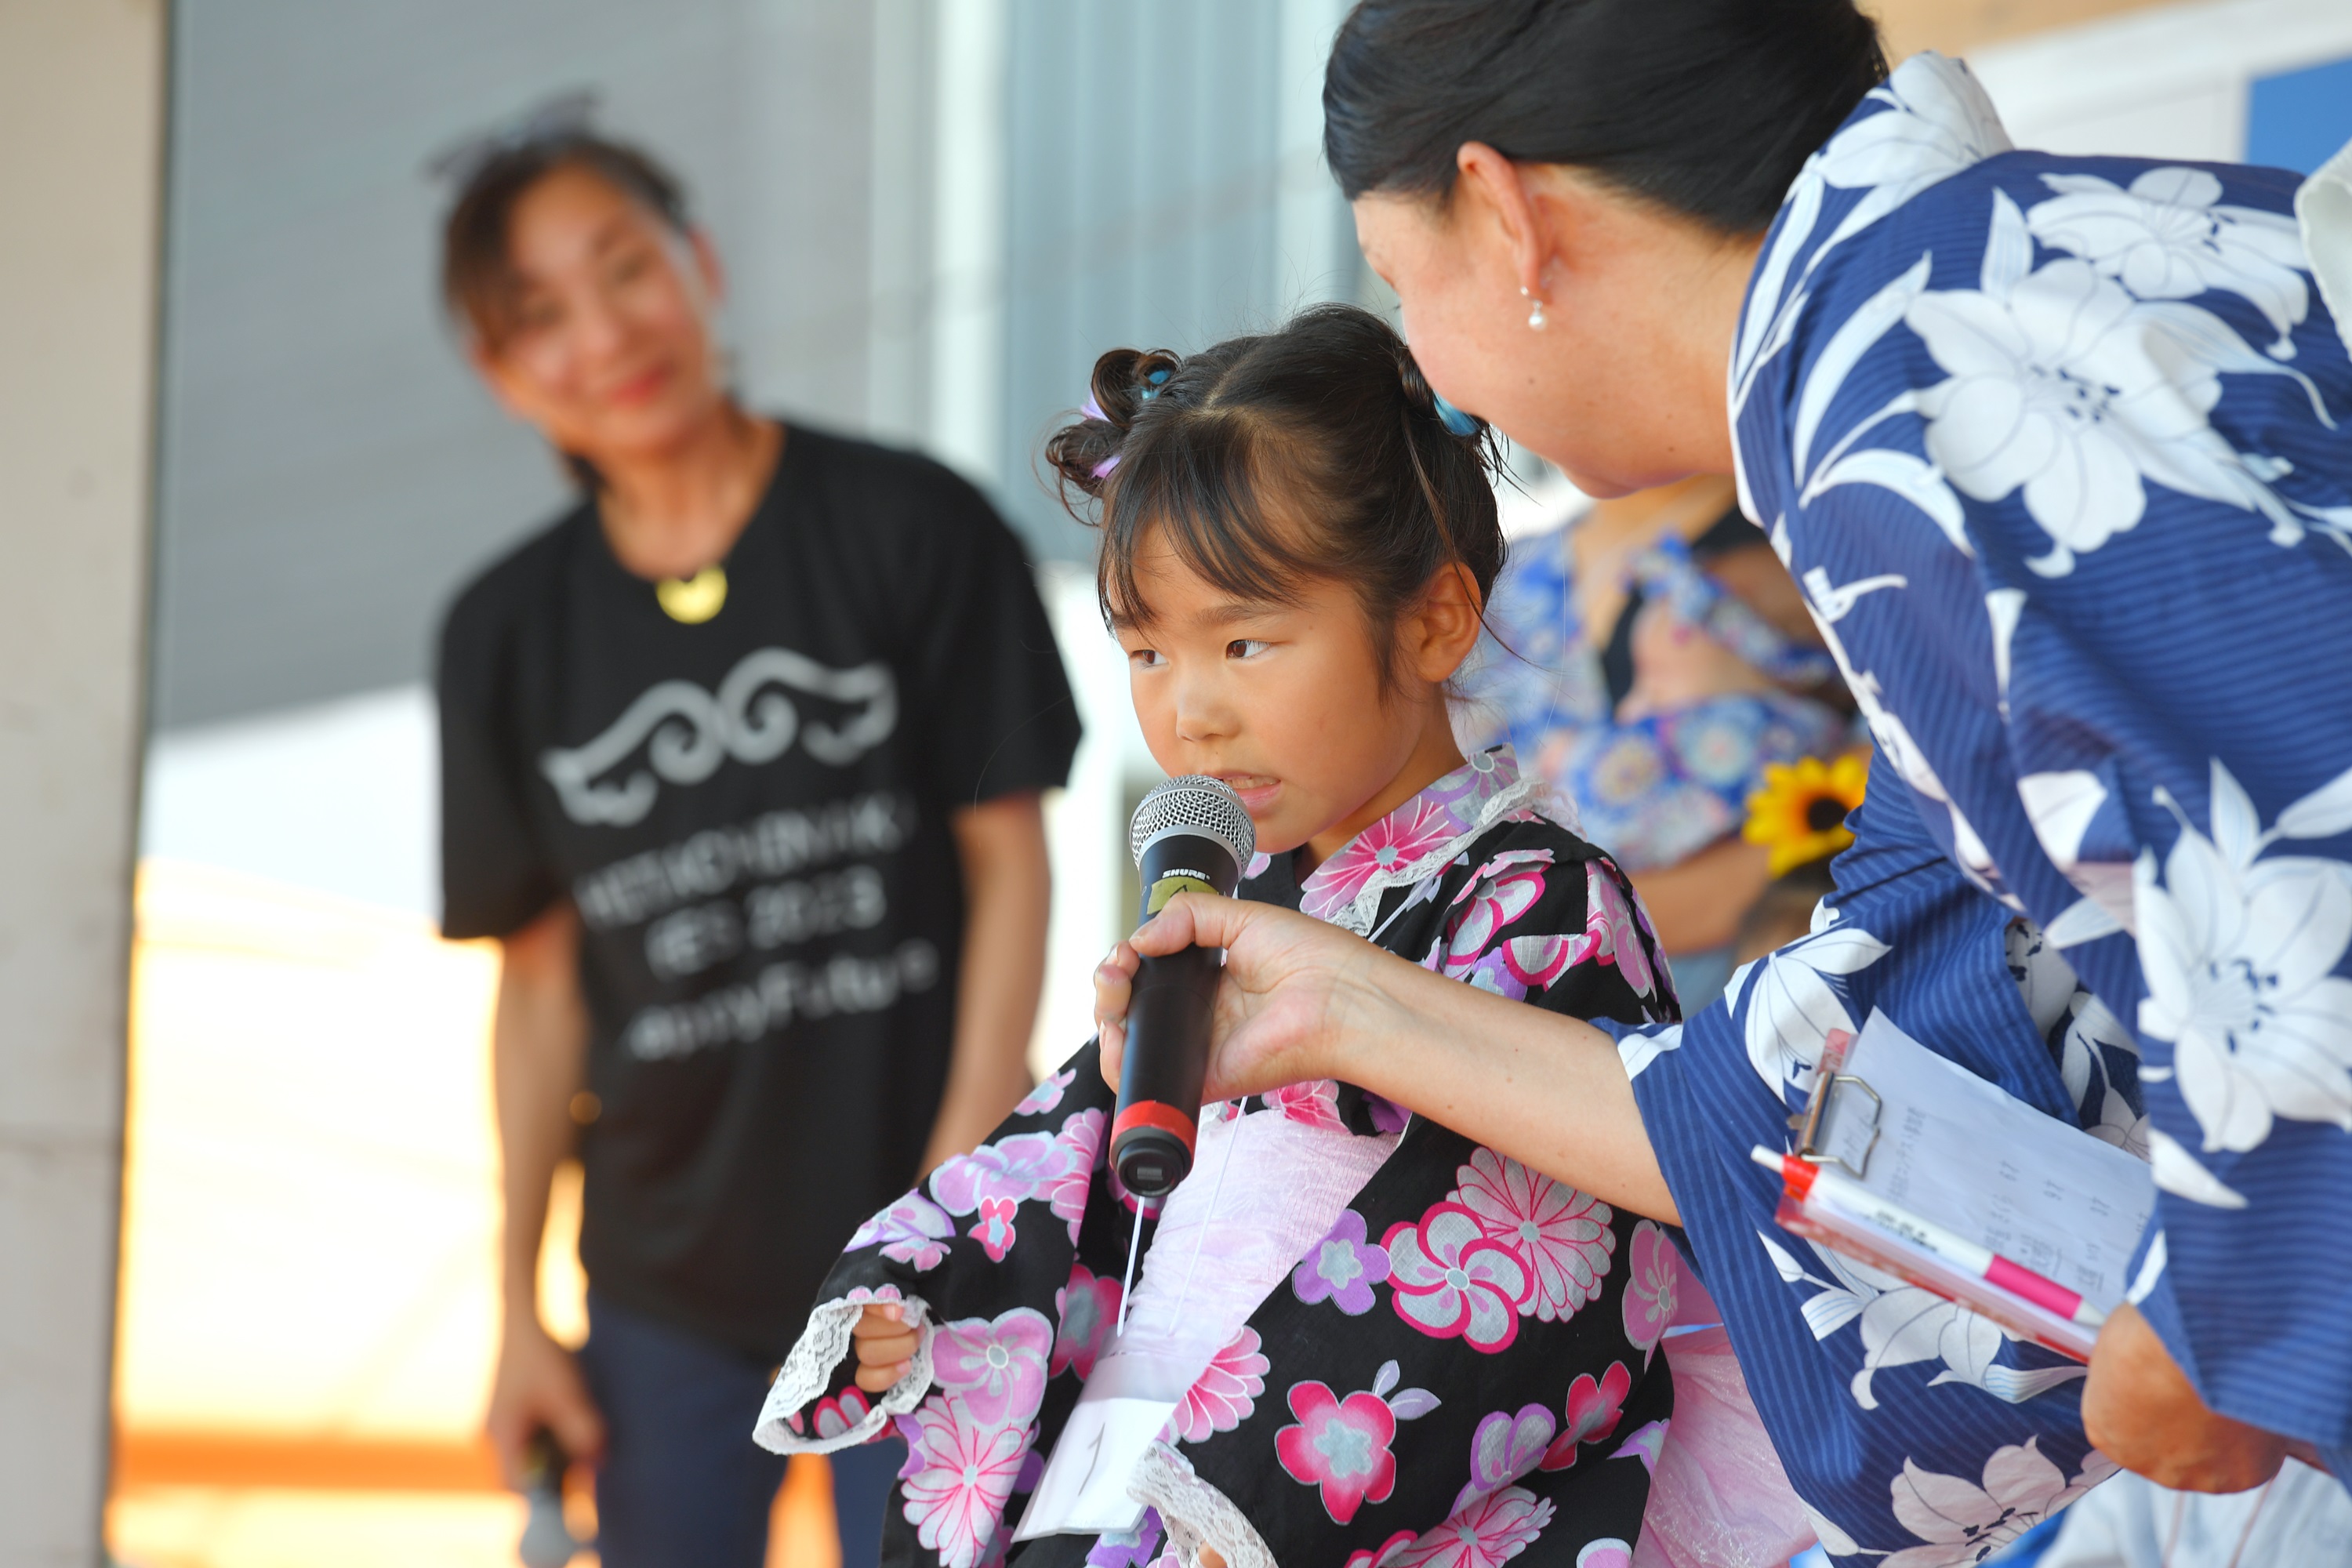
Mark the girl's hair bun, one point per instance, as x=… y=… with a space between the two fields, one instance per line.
x=1422 y=399
x=1316 y=450
x=1085 y=453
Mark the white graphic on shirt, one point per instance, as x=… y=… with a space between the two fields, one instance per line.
x=688 y=733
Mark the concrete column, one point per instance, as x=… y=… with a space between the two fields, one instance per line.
x=81 y=101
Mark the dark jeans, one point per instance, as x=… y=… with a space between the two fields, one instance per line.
x=683 y=1485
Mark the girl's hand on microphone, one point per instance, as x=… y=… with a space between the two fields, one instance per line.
x=1290 y=986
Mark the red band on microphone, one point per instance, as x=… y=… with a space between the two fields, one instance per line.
x=1152 y=1113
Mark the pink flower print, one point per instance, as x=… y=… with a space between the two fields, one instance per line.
x=1478 y=780
x=1257 y=865
x=958 y=1473
x=1342 y=1269
x=1136 y=1548
x=1563 y=1235
x=1317 y=1103
x=1610 y=922
x=1017 y=1168
x=1608 y=1552
x=1417 y=829
x=1488 y=1534
x=1646 y=1443
x=1537 y=961
x=996 y=1367
x=1386 y=1554
x=994 y=1231
x=1649 y=1303
x=1394 y=1547
x=1222 y=1397
x=1504 y=1448
x=838 y=1414
x=1341 y=1445
x=1451 y=1281
x=1592 y=1411
x=912 y=1230
x=1081 y=1140
x=1047 y=1095
x=1089 y=1309
x=1499 y=892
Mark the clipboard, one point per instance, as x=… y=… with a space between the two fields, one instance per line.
x=1934 y=1138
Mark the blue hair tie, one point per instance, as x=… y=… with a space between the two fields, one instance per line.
x=1456 y=423
x=1153 y=382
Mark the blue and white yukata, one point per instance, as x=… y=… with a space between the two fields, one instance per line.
x=2059 y=450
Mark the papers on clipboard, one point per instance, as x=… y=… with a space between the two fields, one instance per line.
x=1930 y=1169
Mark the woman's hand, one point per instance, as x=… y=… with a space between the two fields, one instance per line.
x=2142 y=1412
x=1290 y=986
x=886 y=1344
x=1301 y=1000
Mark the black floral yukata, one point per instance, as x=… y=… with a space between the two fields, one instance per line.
x=1464 y=1371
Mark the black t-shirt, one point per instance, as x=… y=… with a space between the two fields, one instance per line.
x=751 y=817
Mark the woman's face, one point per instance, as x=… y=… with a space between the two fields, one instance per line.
x=1622 y=385
x=606 y=345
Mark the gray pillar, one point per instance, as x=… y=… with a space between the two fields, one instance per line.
x=80 y=127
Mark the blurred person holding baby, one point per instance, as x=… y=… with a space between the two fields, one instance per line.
x=742 y=760
x=1653 y=658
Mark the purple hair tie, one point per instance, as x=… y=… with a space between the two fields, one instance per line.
x=1092 y=410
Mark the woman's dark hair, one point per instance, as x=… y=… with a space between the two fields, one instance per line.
x=1706 y=107
x=1314 y=452
x=477 y=269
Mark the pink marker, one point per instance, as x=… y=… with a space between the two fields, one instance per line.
x=1808 y=1182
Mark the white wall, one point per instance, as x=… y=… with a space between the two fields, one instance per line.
x=2164 y=83
x=80 y=113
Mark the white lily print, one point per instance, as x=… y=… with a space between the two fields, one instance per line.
x=2064 y=385
x=2169 y=236
x=1902 y=1324
x=1964 y=1522
x=1938 y=121
x=2239 y=952
x=1792 y=1007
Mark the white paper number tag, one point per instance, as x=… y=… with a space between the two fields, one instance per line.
x=1084 y=1488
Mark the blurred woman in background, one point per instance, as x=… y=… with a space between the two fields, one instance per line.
x=741 y=768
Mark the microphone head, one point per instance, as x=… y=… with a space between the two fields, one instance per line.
x=1195 y=803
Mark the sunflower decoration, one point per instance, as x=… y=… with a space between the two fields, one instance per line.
x=1800 y=814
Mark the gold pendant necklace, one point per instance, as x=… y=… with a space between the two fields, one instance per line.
x=690 y=601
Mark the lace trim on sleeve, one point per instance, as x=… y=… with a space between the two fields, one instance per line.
x=808 y=1372
x=1196 y=1513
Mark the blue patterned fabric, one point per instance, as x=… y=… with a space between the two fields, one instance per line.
x=2061 y=451
x=1657 y=789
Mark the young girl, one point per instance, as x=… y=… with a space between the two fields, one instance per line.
x=1400 y=1347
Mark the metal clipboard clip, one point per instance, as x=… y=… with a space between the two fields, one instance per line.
x=1829 y=1076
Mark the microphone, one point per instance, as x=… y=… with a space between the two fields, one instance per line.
x=1191 y=834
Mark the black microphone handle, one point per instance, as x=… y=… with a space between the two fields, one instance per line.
x=1167 y=1061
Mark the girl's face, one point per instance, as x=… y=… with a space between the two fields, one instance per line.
x=1284 y=702
x=606 y=346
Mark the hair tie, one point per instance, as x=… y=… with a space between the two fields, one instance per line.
x=1456 y=423
x=1153 y=382
x=1092 y=410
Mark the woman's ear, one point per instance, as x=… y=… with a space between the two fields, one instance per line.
x=1441 y=629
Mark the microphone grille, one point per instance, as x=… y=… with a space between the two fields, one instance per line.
x=1196 y=803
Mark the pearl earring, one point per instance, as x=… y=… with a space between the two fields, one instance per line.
x=1535 y=313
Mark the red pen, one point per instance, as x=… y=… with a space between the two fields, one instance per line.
x=1807 y=1182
